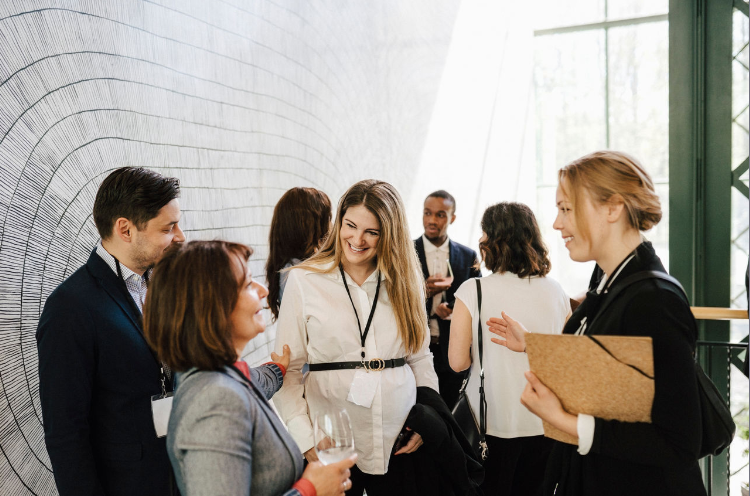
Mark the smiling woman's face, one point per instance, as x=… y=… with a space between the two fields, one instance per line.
x=247 y=318
x=582 y=248
x=360 y=233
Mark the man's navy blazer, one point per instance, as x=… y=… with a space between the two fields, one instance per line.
x=462 y=260
x=96 y=379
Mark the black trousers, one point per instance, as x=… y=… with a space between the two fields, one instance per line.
x=396 y=482
x=515 y=466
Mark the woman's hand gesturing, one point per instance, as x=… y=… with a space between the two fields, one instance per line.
x=512 y=332
x=283 y=360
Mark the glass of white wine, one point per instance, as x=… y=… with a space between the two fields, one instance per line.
x=334 y=438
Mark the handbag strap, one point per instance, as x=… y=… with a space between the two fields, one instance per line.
x=482 y=400
x=637 y=277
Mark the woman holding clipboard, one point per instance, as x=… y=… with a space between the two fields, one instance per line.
x=604 y=201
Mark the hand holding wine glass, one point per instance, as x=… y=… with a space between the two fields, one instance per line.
x=330 y=480
x=441 y=278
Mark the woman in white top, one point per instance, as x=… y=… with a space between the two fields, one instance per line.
x=511 y=247
x=359 y=300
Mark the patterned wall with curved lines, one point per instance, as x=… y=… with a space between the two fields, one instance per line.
x=239 y=99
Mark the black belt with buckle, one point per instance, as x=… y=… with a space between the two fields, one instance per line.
x=374 y=364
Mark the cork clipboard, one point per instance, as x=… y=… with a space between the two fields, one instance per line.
x=588 y=379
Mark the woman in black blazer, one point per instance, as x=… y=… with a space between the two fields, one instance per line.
x=604 y=201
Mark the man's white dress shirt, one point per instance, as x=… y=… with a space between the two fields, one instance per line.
x=317 y=321
x=136 y=284
x=437 y=263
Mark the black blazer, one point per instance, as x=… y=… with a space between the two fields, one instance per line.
x=445 y=464
x=96 y=378
x=659 y=458
x=462 y=260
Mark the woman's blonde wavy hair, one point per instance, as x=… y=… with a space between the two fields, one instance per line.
x=396 y=256
x=604 y=175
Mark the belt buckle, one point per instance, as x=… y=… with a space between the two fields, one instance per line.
x=375 y=364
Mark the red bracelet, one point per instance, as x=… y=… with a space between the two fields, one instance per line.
x=283 y=369
x=305 y=487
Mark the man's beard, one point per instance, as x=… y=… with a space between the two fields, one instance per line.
x=145 y=259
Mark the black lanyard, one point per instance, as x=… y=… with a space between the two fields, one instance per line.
x=594 y=298
x=162 y=375
x=615 y=272
x=362 y=336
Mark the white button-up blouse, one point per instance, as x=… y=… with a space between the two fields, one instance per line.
x=317 y=321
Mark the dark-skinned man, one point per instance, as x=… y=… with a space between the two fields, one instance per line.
x=436 y=252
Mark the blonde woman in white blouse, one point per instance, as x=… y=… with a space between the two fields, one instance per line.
x=366 y=271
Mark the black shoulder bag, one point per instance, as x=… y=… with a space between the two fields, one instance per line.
x=717 y=423
x=462 y=412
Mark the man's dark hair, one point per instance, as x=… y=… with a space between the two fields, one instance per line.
x=134 y=193
x=441 y=193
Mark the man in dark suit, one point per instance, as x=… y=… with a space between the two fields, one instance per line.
x=436 y=251
x=97 y=375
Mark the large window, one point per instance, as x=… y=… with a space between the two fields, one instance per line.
x=740 y=250
x=601 y=82
x=738 y=461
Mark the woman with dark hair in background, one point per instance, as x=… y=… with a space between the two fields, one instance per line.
x=301 y=221
x=604 y=201
x=223 y=436
x=511 y=247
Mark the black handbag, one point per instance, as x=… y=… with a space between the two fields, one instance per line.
x=717 y=424
x=462 y=412
x=716 y=420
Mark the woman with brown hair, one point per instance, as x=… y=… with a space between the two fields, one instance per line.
x=301 y=221
x=355 y=313
x=511 y=247
x=605 y=200
x=202 y=309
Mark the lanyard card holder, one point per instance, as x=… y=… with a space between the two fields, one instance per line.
x=161 y=408
x=364 y=386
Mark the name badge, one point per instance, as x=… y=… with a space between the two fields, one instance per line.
x=364 y=386
x=161 y=408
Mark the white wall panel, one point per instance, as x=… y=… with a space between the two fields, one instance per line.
x=239 y=99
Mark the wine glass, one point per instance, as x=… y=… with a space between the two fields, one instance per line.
x=333 y=435
x=444 y=272
x=449 y=275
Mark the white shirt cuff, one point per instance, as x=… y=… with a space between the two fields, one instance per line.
x=586 y=426
x=302 y=432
